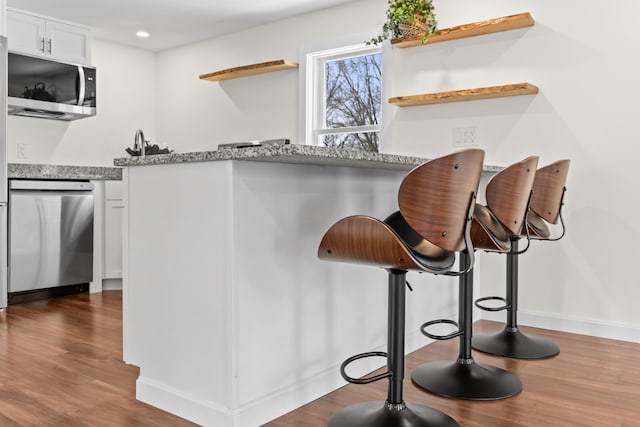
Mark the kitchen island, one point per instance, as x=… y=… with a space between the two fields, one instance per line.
x=228 y=313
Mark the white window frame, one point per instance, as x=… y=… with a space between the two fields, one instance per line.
x=315 y=91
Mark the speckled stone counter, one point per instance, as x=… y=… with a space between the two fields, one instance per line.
x=293 y=153
x=39 y=171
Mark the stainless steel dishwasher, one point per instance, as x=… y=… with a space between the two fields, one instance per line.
x=50 y=238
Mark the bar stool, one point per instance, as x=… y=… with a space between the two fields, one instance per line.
x=436 y=202
x=508 y=193
x=546 y=208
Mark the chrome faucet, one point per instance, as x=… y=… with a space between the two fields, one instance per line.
x=138 y=142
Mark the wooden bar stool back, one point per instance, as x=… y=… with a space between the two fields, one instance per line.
x=508 y=194
x=548 y=196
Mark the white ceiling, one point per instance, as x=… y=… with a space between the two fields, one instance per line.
x=170 y=22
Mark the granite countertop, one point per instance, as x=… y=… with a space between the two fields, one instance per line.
x=39 y=171
x=292 y=153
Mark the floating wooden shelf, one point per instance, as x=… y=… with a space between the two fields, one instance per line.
x=469 y=30
x=249 y=70
x=465 y=95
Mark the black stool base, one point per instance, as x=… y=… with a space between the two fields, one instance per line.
x=470 y=381
x=381 y=414
x=514 y=344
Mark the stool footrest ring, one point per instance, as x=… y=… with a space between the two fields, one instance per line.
x=453 y=334
x=363 y=380
x=485 y=308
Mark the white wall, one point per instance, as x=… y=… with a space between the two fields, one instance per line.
x=126 y=101
x=586 y=110
x=580 y=57
x=197 y=114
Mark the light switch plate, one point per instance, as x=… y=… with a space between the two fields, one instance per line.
x=23 y=151
x=465 y=137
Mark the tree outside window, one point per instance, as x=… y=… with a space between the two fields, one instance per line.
x=346 y=102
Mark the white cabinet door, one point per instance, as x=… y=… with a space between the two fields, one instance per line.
x=25 y=33
x=113 y=211
x=3 y=19
x=40 y=36
x=68 y=42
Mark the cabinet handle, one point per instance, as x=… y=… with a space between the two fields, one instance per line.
x=50 y=45
x=42 y=44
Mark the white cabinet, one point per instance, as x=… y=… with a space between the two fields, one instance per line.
x=3 y=20
x=37 y=35
x=113 y=211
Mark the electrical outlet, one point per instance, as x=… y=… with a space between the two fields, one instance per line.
x=23 y=151
x=465 y=137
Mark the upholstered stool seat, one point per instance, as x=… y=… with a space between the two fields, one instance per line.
x=425 y=253
x=494 y=231
x=421 y=236
x=537 y=226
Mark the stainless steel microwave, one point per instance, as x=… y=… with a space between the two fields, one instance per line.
x=47 y=89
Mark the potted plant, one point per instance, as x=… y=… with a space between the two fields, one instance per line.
x=408 y=18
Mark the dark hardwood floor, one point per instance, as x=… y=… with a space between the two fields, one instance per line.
x=592 y=382
x=61 y=365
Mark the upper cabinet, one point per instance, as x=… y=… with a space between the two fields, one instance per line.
x=3 y=20
x=46 y=37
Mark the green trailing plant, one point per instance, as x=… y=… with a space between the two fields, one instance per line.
x=408 y=17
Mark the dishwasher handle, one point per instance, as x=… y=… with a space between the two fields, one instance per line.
x=50 y=185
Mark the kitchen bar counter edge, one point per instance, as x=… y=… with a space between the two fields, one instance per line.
x=41 y=171
x=293 y=153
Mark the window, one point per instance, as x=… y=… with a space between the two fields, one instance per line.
x=344 y=90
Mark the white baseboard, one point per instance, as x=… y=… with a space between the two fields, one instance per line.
x=212 y=414
x=181 y=404
x=258 y=412
x=111 y=284
x=597 y=328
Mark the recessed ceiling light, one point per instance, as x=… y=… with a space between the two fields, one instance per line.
x=142 y=34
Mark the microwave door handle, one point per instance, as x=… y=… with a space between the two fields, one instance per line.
x=82 y=85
